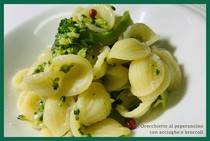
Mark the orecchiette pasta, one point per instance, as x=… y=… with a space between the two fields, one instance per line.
x=99 y=68
x=107 y=128
x=45 y=56
x=141 y=32
x=104 y=12
x=100 y=74
x=46 y=132
x=128 y=49
x=174 y=69
x=46 y=79
x=115 y=77
x=56 y=117
x=147 y=100
x=94 y=104
x=68 y=83
x=28 y=103
x=17 y=80
x=75 y=126
x=146 y=75
x=73 y=84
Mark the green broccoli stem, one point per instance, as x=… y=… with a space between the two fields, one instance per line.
x=110 y=37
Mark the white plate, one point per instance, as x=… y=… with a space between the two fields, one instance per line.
x=31 y=28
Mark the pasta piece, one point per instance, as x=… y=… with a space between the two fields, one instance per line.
x=107 y=128
x=79 y=73
x=17 y=80
x=27 y=104
x=129 y=101
x=104 y=12
x=115 y=77
x=75 y=126
x=45 y=56
x=46 y=132
x=146 y=101
x=94 y=104
x=175 y=71
x=75 y=13
x=55 y=79
x=141 y=32
x=100 y=66
x=45 y=84
x=56 y=117
x=164 y=85
x=114 y=61
x=128 y=49
x=146 y=75
x=137 y=112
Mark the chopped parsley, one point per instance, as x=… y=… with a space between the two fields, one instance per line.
x=66 y=67
x=113 y=8
x=49 y=62
x=81 y=130
x=157 y=71
x=76 y=111
x=55 y=83
x=22 y=117
x=40 y=68
x=62 y=101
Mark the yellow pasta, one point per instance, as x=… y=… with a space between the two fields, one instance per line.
x=175 y=72
x=46 y=132
x=164 y=86
x=128 y=49
x=104 y=12
x=56 y=117
x=141 y=32
x=104 y=128
x=99 y=68
x=42 y=83
x=27 y=104
x=75 y=125
x=94 y=104
x=146 y=75
x=17 y=80
x=72 y=83
x=45 y=56
x=68 y=82
x=147 y=100
x=107 y=128
x=115 y=77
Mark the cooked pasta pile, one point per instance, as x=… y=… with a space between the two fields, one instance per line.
x=102 y=71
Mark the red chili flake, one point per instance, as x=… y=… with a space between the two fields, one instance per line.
x=92 y=13
x=131 y=123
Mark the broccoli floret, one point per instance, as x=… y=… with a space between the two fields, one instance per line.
x=73 y=37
